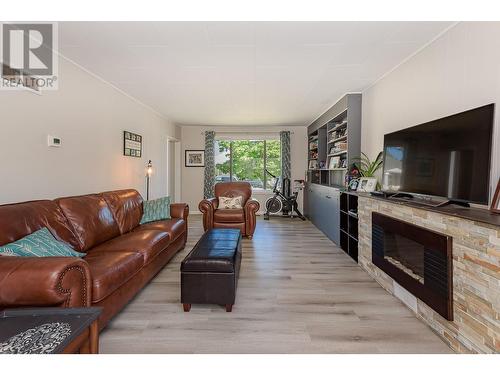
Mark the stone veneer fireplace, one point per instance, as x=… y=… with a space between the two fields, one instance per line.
x=475 y=291
x=416 y=258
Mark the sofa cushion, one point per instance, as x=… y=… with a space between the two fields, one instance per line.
x=110 y=270
x=229 y=216
x=158 y=209
x=149 y=243
x=20 y=219
x=39 y=244
x=175 y=227
x=126 y=206
x=91 y=218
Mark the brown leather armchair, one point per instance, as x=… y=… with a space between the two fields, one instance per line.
x=243 y=219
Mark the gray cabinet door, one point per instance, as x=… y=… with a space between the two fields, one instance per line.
x=323 y=209
x=330 y=213
x=327 y=212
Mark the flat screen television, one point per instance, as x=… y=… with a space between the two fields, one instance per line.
x=449 y=157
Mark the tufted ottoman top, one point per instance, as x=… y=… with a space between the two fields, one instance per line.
x=216 y=251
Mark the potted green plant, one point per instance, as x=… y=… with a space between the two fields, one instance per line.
x=367 y=167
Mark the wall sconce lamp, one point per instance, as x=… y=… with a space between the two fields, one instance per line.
x=149 y=172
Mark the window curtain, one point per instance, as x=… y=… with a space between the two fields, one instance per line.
x=285 y=155
x=209 y=183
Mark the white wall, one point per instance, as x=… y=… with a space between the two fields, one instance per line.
x=90 y=116
x=193 y=139
x=458 y=71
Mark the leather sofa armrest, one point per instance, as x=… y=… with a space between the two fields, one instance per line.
x=179 y=210
x=251 y=208
x=207 y=208
x=48 y=281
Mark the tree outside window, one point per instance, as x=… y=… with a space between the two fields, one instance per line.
x=246 y=160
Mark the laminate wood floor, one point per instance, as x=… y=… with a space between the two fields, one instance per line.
x=297 y=293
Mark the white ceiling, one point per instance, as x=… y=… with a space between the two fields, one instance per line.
x=242 y=73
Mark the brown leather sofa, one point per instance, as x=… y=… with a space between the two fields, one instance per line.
x=243 y=219
x=122 y=256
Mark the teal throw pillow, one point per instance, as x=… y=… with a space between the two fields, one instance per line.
x=157 y=209
x=39 y=244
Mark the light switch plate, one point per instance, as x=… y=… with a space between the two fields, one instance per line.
x=54 y=141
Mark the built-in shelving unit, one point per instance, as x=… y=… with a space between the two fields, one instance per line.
x=334 y=142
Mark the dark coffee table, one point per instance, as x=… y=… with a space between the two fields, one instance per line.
x=49 y=330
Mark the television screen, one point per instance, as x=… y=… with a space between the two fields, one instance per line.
x=449 y=157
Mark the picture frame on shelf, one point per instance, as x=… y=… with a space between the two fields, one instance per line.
x=367 y=184
x=353 y=184
x=495 y=203
x=195 y=158
x=334 y=162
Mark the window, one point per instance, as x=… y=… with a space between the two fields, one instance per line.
x=246 y=160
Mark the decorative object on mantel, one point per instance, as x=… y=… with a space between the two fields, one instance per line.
x=367 y=184
x=132 y=144
x=495 y=203
x=367 y=167
x=352 y=175
x=195 y=158
x=149 y=172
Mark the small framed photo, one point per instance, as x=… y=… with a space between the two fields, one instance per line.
x=195 y=158
x=353 y=184
x=495 y=203
x=367 y=184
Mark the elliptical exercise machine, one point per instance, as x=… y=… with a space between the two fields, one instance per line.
x=282 y=203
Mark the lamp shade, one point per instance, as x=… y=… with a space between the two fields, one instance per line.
x=149 y=169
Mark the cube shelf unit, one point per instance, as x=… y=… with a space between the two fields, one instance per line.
x=334 y=142
x=349 y=224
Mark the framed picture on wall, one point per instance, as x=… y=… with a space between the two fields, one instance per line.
x=495 y=203
x=132 y=144
x=195 y=158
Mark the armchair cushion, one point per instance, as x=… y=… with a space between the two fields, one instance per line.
x=229 y=216
x=234 y=189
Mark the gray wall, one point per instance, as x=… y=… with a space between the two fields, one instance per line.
x=458 y=71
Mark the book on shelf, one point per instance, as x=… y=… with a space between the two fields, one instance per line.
x=337 y=135
x=338 y=147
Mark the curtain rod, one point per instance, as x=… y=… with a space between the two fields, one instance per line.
x=256 y=132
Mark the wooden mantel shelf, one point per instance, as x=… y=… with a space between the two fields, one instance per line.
x=479 y=215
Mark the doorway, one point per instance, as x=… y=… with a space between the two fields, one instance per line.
x=173 y=169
